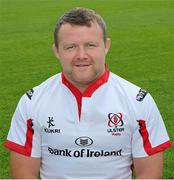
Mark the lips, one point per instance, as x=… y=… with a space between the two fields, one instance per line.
x=82 y=65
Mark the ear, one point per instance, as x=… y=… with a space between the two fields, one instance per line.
x=107 y=45
x=56 y=51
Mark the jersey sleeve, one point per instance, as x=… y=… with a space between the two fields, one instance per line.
x=24 y=133
x=150 y=135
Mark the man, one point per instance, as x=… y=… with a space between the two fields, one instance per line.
x=86 y=122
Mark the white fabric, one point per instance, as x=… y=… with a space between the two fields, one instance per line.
x=89 y=147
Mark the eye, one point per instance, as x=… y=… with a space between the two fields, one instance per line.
x=70 y=47
x=91 y=45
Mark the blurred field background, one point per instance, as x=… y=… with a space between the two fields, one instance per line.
x=142 y=51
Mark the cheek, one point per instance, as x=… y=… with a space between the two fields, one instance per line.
x=99 y=57
x=65 y=59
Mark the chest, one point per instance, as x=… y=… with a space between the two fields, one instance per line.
x=103 y=126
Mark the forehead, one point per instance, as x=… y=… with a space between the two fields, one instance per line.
x=69 y=32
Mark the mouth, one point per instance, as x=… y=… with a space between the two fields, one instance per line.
x=82 y=65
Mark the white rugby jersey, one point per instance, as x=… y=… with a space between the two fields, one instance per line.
x=94 y=134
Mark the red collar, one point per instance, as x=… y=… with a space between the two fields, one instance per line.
x=90 y=89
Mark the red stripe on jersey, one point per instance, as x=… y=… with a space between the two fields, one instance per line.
x=88 y=91
x=75 y=91
x=27 y=148
x=146 y=142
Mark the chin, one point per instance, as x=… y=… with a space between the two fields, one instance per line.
x=84 y=77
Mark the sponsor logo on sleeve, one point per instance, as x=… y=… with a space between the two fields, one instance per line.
x=141 y=95
x=30 y=93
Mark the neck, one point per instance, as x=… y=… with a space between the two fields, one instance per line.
x=84 y=87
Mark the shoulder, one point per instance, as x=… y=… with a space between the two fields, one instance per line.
x=37 y=92
x=46 y=86
x=139 y=104
x=127 y=88
x=136 y=98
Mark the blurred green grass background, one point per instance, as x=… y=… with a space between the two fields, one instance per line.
x=142 y=51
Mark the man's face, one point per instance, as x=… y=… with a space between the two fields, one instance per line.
x=82 y=52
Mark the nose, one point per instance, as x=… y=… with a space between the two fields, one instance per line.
x=81 y=53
